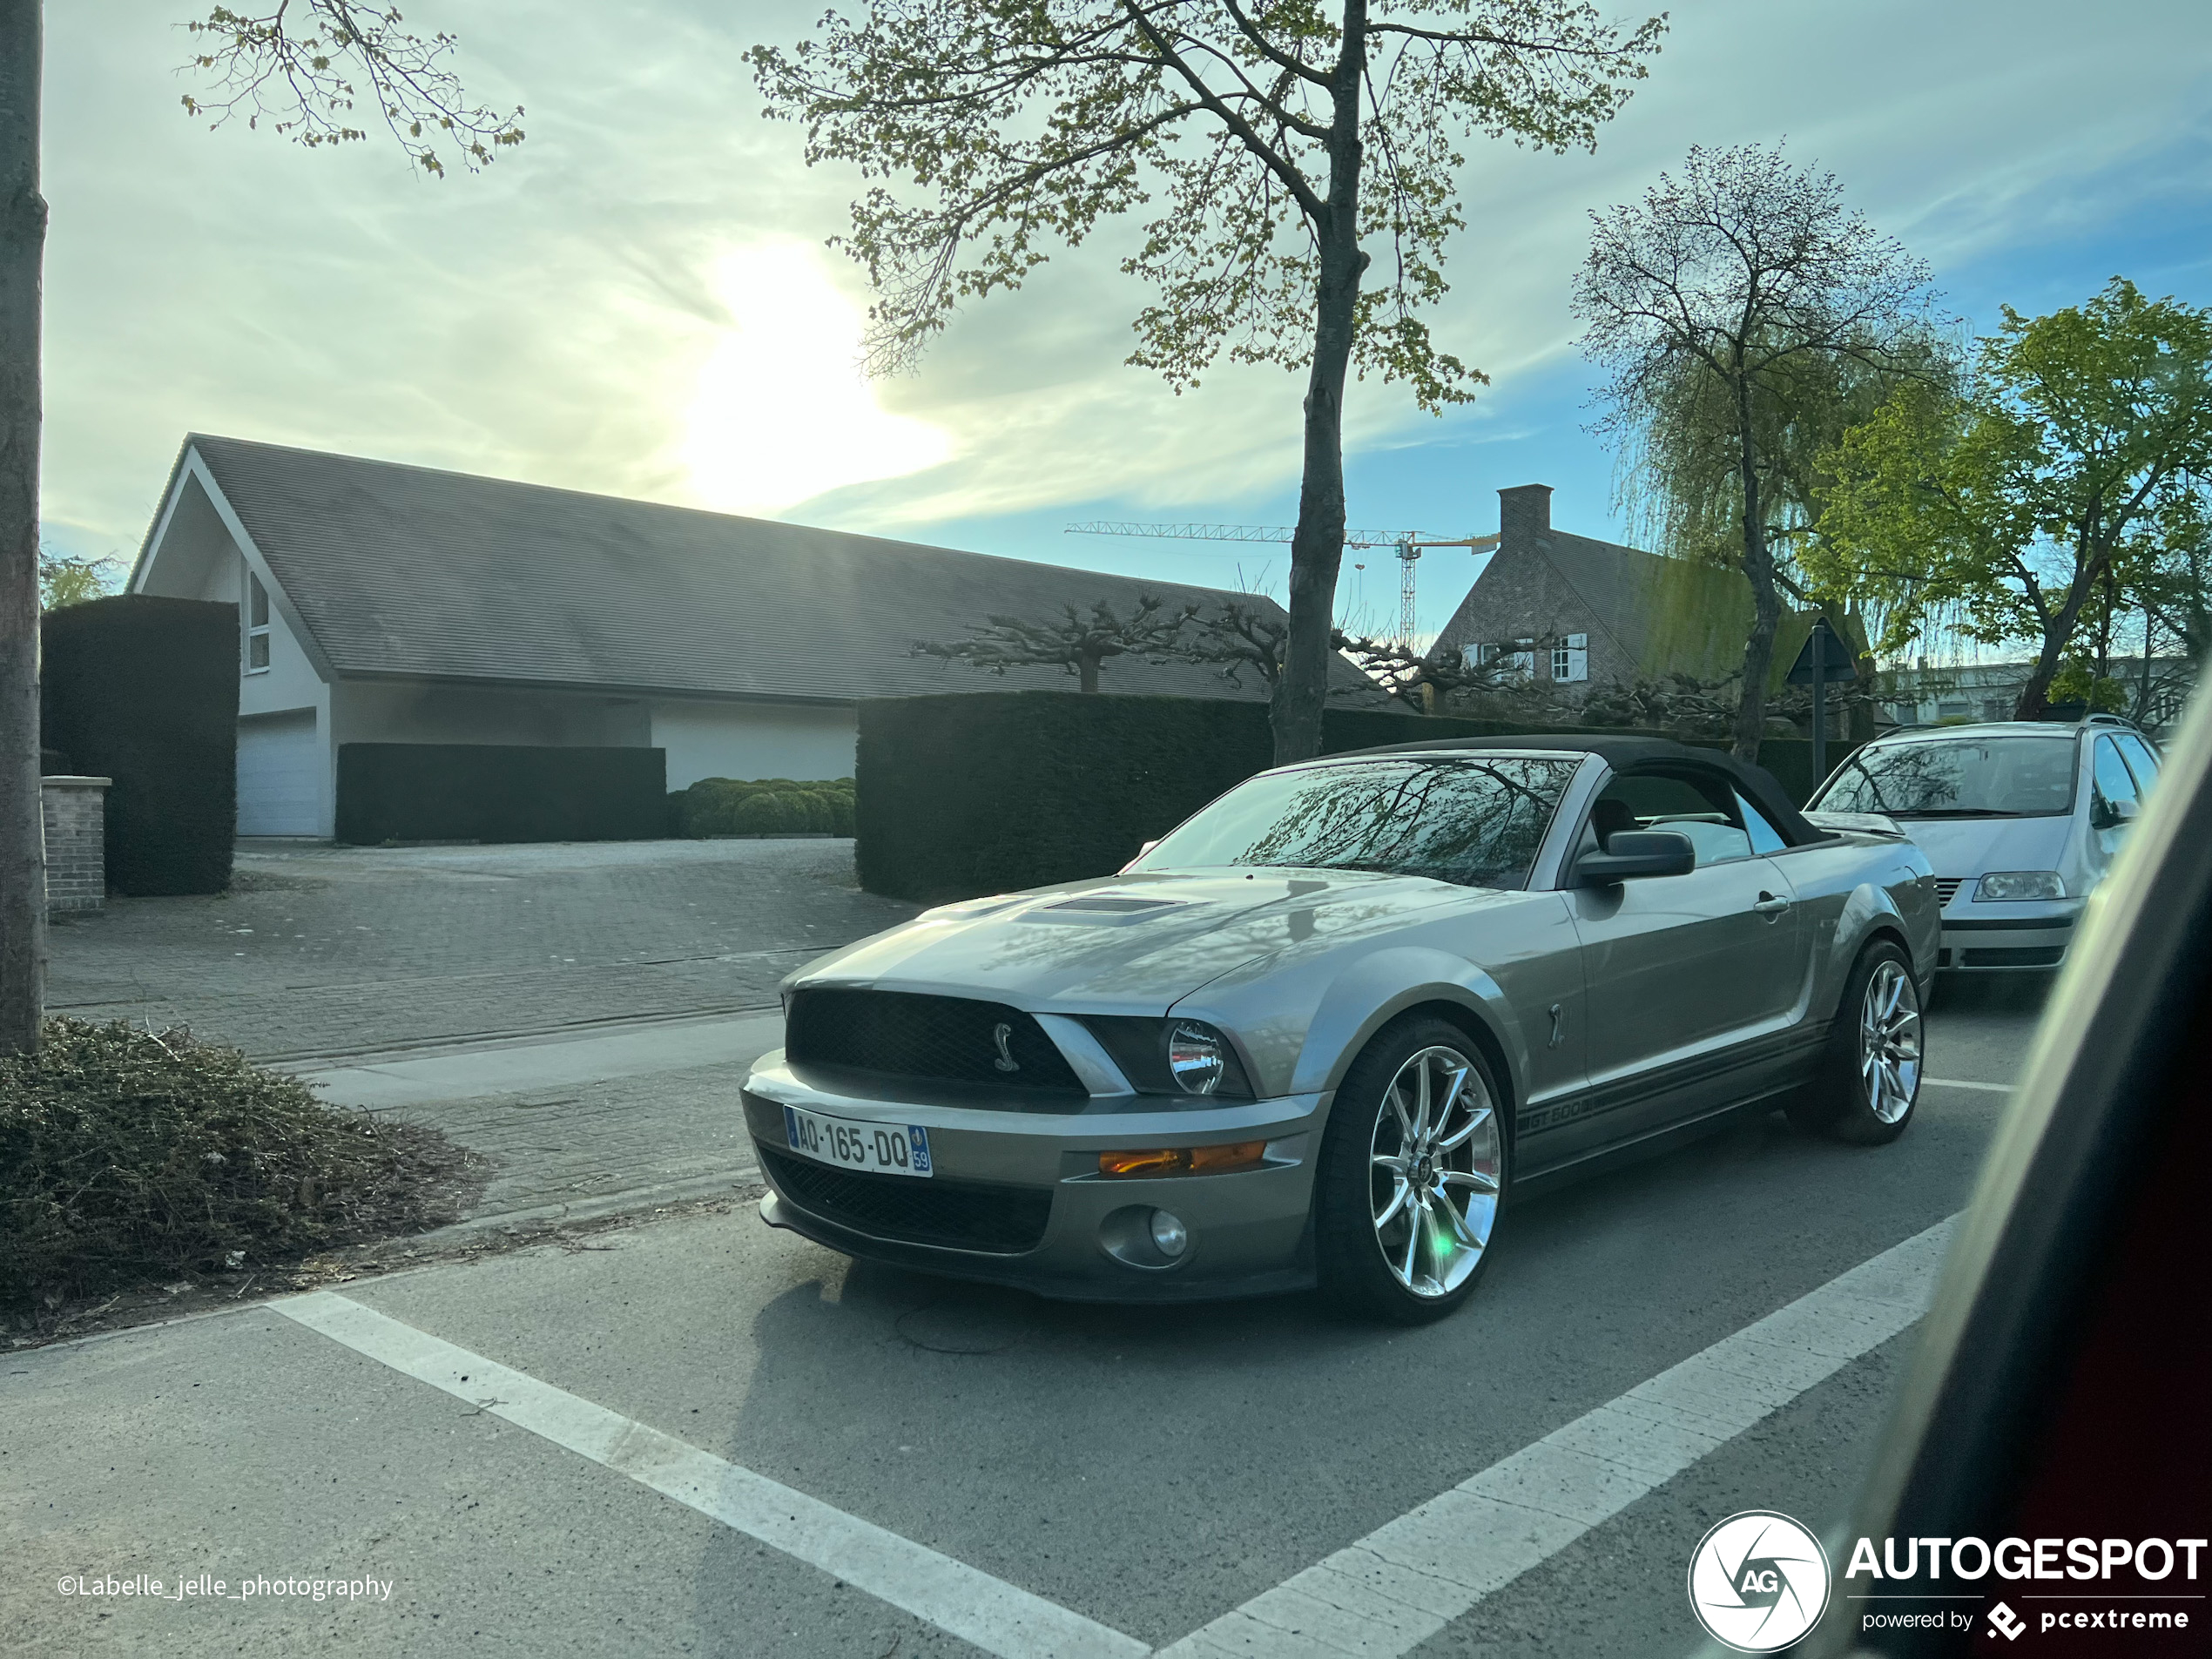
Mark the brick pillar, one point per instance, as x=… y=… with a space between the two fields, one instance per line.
x=1524 y=515
x=76 y=814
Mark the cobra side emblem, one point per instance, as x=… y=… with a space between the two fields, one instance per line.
x=1002 y=1034
x=1559 y=1025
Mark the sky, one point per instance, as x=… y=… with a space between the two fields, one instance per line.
x=639 y=301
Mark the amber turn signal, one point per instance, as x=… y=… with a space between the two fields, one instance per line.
x=1183 y=1160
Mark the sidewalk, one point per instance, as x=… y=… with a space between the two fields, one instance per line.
x=580 y=1127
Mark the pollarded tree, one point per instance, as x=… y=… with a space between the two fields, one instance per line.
x=303 y=66
x=1077 y=641
x=1278 y=146
x=1742 y=284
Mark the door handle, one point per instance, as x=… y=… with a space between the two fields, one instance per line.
x=1770 y=906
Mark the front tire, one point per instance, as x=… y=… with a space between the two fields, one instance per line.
x=1413 y=1174
x=1870 y=1079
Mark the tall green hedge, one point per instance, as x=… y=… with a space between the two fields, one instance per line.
x=991 y=791
x=487 y=792
x=145 y=690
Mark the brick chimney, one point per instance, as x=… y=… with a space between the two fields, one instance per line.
x=1524 y=514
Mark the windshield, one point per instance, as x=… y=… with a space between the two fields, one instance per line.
x=1957 y=777
x=1476 y=823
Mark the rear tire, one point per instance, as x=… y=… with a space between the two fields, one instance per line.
x=1412 y=1177
x=1870 y=1077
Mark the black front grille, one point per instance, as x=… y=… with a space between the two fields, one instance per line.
x=950 y=1039
x=1003 y=1220
x=1947 y=888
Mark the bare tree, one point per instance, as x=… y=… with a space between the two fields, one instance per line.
x=1741 y=282
x=1077 y=641
x=1283 y=142
x=297 y=66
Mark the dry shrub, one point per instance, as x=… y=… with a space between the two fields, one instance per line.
x=127 y=1156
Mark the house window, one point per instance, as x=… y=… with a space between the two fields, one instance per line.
x=1571 y=659
x=1523 y=659
x=257 y=626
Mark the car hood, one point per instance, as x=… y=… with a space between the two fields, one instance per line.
x=1131 y=943
x=1968 y=847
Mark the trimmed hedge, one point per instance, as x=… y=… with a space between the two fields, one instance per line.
x=145 y=690
x=718 y=807
x=992 y=791
x=471 y=792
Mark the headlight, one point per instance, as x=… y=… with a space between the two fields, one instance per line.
x=1195 y=1058
x=2000 y=886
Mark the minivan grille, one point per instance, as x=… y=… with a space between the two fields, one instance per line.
x=946 y=1039
x=1947 y=888
x=1003 y=1220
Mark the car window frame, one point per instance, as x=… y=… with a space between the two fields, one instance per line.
x=1584 y=838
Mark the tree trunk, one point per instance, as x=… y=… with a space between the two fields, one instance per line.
x=1317 y=546
x=23 y=241
x=2058 y=633
x=1087 y=672
x=1766 y=603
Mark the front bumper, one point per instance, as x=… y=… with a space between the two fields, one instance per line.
x=1983 y=938
x=1016 y=1198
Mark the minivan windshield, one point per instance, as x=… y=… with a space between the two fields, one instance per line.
x=1475 y=822
x=1988 y=776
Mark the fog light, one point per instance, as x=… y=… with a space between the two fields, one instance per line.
x=1170 y=1234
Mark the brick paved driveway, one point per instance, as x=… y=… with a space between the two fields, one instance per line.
x=356 y=950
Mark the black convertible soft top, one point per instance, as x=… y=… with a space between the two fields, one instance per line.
x=1635 y=754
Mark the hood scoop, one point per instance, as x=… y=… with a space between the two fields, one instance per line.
x=1102 y=909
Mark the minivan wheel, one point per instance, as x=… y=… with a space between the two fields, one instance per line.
x=1870 y=1078
x=1413 y=1170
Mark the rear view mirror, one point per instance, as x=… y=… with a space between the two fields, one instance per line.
x=1633 y=854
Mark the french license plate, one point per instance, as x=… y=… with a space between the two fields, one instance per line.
x=881 y=1149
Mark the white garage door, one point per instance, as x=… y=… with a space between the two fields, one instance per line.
x=280 y=775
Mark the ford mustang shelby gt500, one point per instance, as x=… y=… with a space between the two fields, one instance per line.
x=1319 y=1031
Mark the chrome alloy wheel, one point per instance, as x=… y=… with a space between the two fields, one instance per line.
x=1435 y=1163
x=1889 y=1041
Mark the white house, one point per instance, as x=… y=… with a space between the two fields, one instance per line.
x=387 y=603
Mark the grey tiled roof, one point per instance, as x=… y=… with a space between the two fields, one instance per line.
x=406 y=570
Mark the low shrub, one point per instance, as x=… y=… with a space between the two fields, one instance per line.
x=716 y=807
x=128 y=1157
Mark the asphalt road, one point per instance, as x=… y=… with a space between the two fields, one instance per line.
x=1147 y=1470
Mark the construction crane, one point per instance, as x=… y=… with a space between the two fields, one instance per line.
x=1408 y=544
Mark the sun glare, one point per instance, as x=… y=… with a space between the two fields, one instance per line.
x=783 y=411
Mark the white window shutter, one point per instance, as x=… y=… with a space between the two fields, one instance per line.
x=1578 y=658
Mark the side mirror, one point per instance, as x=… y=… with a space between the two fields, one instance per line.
x=2110 y=814
x=1633 y=854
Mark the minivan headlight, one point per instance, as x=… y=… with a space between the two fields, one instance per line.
x=2000 y=886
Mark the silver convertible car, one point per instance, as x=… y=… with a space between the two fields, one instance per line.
x=1320 y=1032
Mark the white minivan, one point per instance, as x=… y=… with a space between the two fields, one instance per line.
x=2020 y=818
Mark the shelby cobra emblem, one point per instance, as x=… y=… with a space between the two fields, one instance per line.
x=1002 y=1034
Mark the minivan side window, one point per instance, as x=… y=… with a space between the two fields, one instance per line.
x=2111 y=784
x=2142 y=760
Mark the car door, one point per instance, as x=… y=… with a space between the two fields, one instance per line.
x=1685 y=976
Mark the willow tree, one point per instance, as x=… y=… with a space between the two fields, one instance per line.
x=1736 y=292
x=305 y=68
x=1276 y=149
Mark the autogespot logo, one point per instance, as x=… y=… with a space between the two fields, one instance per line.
x=1758 y=1581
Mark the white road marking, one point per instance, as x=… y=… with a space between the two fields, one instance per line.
x=1392 y=1590
x=994 y=1615
x=1378 y=1598
x=1960 y=1082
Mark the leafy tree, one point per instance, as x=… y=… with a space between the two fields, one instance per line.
x=1275 y=147
x=297 y=66
x=63 y=581
x=1729 y=299
x=2015 y=504
x=1075 y=640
